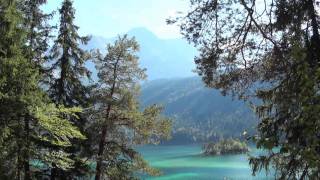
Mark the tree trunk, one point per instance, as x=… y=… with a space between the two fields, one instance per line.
x=101 y=147
x=100 y=153
x=27 y=173
x=105 y=127
x=315 y=40
x=20 y=159
x=53 y=172
x=19 y=166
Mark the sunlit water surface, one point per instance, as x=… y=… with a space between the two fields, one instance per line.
x=185 y=162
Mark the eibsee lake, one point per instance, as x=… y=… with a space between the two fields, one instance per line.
x=185 y=162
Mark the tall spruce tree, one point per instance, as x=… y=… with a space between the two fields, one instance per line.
x=26 y=115
x=68 y=61
x=117 y=120
x=67 y=81
x=267 y=50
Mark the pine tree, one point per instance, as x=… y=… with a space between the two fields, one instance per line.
x=117 y=117
x=68 y=62
x=67 y=81
x=267 y=50
x=26 y=116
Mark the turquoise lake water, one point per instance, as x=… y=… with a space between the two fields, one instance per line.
x=185 y=162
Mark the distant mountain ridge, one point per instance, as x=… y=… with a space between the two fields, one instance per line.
x=200 y=114
x=163 y=58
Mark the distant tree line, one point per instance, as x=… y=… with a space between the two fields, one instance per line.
x=55 y=122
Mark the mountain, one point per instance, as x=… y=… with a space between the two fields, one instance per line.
x=199 y=113
x=163 y=58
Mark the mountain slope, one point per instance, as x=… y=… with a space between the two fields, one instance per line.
x=199 y=113
x=163 y=58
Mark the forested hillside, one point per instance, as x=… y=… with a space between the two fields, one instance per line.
x=199 y=113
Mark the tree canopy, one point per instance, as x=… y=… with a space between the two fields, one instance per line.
x=29 y=122
x=266 y=50
x=49 y=109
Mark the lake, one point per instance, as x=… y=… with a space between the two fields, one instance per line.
x=184 y=162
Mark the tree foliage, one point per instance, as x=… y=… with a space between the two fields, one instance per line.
x=28 y=120
x=68 y=82
x=267 y=50
x=43 y=131
x=68 y=59
x=38 y=31
x=118 y=120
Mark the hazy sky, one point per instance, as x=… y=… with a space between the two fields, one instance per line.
x=110 y=17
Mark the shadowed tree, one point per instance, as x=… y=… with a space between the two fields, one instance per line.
x=68 y=61
x=26 y=116
x=38 y=30
x=267 y=50
x=66 y=83
x=37 y=36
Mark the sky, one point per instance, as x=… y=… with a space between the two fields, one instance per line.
x=109 y=18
